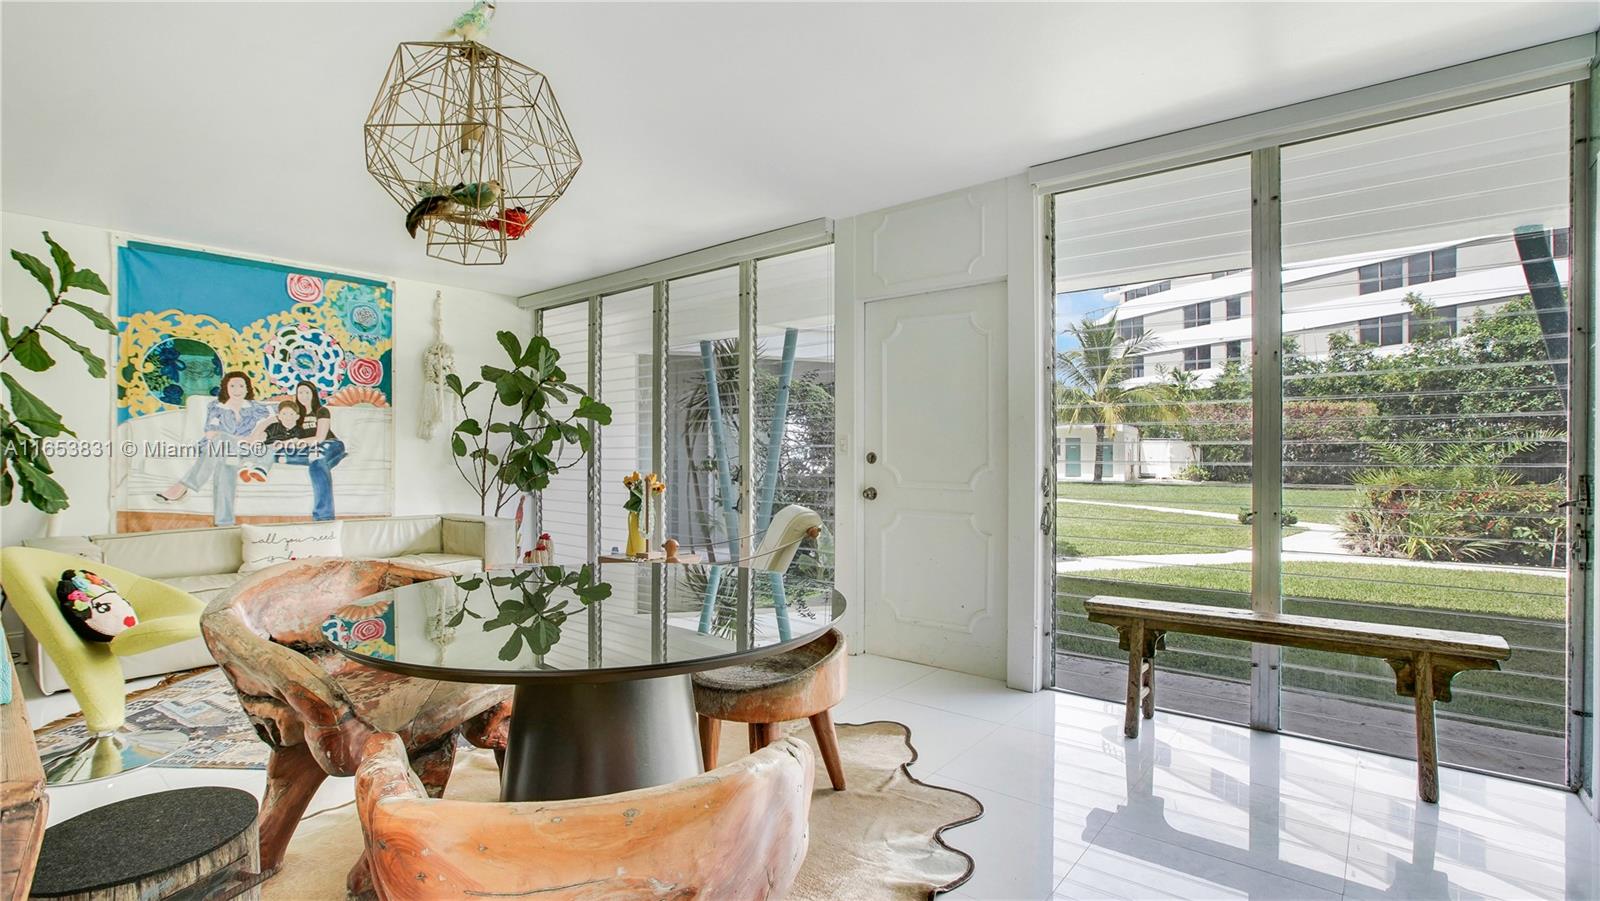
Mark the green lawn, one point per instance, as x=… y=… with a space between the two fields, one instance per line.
x=1527 y=609
x=1321 y=505
x=1421 y=588
x=1094 y=531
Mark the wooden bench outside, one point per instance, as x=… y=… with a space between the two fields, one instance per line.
x=1424 y=660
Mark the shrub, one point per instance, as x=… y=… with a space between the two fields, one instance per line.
x=1457 y=503
x=1315 y=431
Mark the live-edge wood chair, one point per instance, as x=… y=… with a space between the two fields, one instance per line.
x=739 y=832
x=316 y=707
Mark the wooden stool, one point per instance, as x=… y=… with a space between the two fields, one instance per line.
x=191 y=843
x=803 y=683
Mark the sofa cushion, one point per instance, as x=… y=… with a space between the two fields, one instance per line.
x=179 y=552
x=265 y=546
x=460 y=564
x=392 y=536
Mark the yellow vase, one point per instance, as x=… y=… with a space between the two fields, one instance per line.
x=636 y=546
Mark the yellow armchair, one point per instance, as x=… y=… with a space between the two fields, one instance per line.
x=92 y=670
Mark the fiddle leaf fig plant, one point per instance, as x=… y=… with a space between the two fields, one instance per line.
x=531 y=611
x=519 y=440
x=25 y=419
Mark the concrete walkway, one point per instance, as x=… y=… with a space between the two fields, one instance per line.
x=1318 y=543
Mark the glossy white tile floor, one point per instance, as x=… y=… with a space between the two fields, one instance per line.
x=1192 y=809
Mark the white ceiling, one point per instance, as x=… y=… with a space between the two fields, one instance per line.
x=238 y=125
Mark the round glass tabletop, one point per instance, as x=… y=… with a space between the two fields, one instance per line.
x=603 y=623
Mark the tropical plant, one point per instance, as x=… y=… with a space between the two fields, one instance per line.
x=520 y=440
x=25 y=420
x=696 y=434
x=530 y=611
x=1456 y=501
x=1093 y=387
x=805 y=458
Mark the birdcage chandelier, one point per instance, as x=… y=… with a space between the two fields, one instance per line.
x=472 y=144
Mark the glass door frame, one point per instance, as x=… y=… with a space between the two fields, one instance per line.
x=1264 y=147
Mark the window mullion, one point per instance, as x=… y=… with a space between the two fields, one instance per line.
x=1266 y=261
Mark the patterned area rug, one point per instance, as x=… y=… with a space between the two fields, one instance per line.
x=199 y=703
x=880 y=840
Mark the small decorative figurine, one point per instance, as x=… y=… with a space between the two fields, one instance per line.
x=670 y=546
x=543 y=552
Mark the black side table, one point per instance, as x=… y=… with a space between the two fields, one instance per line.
x=189 y=844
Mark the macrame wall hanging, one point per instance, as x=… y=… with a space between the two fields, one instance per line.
x=438 y=363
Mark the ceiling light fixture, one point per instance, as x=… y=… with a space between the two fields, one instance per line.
x=472 y=144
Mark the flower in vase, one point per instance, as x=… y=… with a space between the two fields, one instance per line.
x=636 y=489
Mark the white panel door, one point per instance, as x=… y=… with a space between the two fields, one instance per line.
x=934 y=537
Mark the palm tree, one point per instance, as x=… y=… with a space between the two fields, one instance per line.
x=1092 y=384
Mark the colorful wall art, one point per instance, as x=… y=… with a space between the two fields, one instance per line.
x=249 y=391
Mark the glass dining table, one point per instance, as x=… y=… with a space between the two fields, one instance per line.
x=599 y=657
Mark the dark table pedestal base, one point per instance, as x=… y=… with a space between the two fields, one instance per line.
x=579 y=740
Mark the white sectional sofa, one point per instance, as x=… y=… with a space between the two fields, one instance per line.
x=203 y=562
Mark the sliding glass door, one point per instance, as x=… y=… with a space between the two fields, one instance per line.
x=1425 y=400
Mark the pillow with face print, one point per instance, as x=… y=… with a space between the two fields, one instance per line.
x=92 y=607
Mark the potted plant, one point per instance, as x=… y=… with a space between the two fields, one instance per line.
x=25 y=420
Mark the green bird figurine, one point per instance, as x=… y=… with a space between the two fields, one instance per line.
x=477 y=195
x=474 y=23
x=426 y=208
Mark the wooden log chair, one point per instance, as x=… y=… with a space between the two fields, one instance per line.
x=739 y=832
x=804 y=683
x=316 y=707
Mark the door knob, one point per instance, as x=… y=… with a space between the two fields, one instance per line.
x=870 y=494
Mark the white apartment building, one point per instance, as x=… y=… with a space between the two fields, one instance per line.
x=1203 y=322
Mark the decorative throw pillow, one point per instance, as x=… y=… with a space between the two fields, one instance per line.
x=265 y=546
x=92 y=607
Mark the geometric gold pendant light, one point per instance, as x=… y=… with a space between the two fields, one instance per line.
x=471 y=144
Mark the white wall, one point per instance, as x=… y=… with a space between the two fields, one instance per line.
x=425 y=478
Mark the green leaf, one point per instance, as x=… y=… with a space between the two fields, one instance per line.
x=91 y=360
x=544 y=634
x=458 y=446
x=492 y=373
x=88 y=281
x=540 y=356
x=31 y=353
x=472 y=584
x=38 y=488
x=589 y=408
x=93 y=315
x=552 y=573
x=62 y=259
x=512 y=346
x=34 y=414
x=469 y=427
x=509 y=390
x=5 y=330
x=39 y=270
x=453 y=382
x=512 y=647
